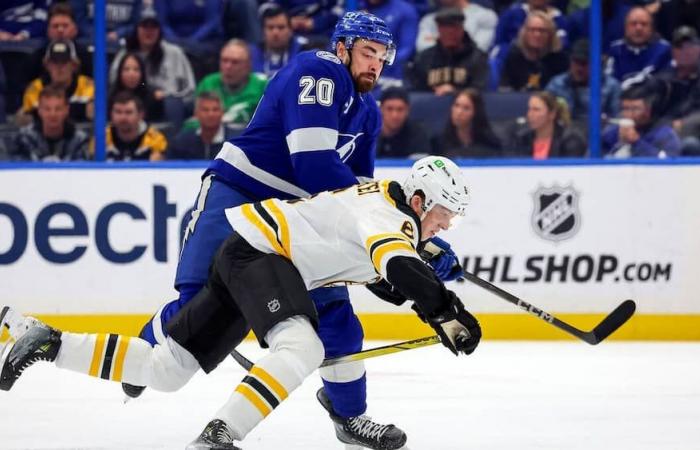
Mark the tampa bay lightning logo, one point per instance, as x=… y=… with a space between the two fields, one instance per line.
x=346 y=145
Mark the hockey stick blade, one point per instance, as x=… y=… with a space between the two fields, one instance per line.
x=242 y=360
x=612 y=322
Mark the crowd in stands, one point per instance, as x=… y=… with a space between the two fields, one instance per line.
x=471 y=79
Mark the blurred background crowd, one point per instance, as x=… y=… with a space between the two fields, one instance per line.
x=472 y=78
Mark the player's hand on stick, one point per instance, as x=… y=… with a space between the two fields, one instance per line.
x=459 y=331
x=446 y=264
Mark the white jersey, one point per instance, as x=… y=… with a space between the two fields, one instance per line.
x=334 y=238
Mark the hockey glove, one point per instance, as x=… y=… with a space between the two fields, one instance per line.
x=445 y=264
x=459 y=331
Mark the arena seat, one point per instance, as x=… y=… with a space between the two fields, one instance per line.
x=433 y=111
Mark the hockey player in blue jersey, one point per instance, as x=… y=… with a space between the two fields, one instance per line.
x=314 y=130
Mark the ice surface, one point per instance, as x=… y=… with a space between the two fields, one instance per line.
x=507 y=395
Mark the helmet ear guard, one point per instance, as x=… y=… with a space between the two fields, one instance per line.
x=441 y=182
x=356 y=25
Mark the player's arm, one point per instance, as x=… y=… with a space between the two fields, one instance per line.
x=314 y=100
x=395 y=259
x=384 y=290
x=459 y=331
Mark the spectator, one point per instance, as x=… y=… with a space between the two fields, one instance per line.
x=52 y=136
x=121 y=17
x=22 y=28
x=402 y=20
x=167 y=67
x=61 y=27
x=679 y=87
x=279 y=44
x=639 y=132
x=535 y=57
x=453 y=63
x=479 y=23
x=547 y=132
x=399 y=136
x=22 y=19
x=236 y=85
x=313 y=17
x=206 y=140
x=128 y=136
x=132 y=77
x=194 y=26
x=468 y=132
x=640 y=53
x=573 y=86
x=512 y=20
x=613 y=12
x=62 y=64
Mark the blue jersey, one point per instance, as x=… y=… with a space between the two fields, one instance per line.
x=631 y=64
x=312 y=132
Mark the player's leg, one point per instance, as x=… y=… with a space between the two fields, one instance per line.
x=273 y=298
x=205 y=232
x=202 y=333
x=344 y=389
x=113 y=357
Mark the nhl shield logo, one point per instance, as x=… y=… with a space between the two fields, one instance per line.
x=273 y=305
x=555 y=216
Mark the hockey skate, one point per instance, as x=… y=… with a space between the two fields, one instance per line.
x=361 y=430
x=216 y=436
x=15 y=323
x=37 y=343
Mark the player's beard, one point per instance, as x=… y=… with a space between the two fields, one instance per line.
x=365 y=82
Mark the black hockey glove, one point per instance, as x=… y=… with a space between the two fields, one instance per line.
x=459 y=331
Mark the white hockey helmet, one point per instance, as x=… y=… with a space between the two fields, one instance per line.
x=441 y=182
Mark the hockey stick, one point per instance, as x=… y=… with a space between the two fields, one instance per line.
x=364 y=354
x=610 y=323
x=618 y=317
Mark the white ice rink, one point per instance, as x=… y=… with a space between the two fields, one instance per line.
x=506 y=396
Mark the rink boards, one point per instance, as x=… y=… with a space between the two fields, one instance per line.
x=95 y=247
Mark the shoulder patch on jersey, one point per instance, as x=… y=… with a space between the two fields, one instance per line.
x=328 y=56
x=407 y=229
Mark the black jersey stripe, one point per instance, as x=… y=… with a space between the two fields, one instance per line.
x=265 y=215
x=260 y=209
x=262 y=390
x=379 y=243
x=109 y=356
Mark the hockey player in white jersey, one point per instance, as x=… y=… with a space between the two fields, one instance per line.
x=369 y=234
x=314 y=130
